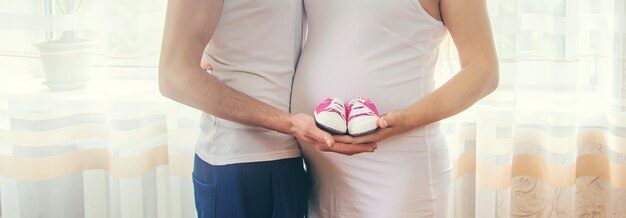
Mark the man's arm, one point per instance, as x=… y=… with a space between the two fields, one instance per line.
x=189 y=25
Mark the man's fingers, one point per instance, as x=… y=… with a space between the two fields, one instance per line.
x=321 y=136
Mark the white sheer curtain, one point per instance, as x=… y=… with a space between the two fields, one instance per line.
x=550 y=142
x=113 y=148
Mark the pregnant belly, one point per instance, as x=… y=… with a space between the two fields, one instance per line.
x=390 y=81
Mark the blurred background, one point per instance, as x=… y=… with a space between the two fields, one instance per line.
x=84 y=131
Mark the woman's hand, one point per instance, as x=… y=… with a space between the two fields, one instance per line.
x=392 y=123
x=204 y=64
x=305 y=130
x=204 y=61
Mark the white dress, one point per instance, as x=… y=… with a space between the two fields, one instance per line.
x=385 y=51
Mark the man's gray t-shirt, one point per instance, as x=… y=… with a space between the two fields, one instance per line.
x=254 y=49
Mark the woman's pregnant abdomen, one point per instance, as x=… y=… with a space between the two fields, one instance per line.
x=390 y=84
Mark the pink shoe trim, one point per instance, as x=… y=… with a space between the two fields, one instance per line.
x=334 y=111
x=360 y=115
x=366 y=102
x=371 y=106
x=323 y=105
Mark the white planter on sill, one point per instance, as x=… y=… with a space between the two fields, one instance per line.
x=67 y=65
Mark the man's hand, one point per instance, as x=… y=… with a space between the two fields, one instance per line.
x=391 y=124
x=305 y=130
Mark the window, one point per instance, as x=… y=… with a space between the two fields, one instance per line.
x=127 y=34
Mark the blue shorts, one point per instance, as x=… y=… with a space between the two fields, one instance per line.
x=272 y=189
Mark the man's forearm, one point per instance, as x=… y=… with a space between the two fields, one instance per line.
x=189 y=25
x=206 y=93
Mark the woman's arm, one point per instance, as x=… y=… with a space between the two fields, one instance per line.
x=468 y=24
x=189 y=25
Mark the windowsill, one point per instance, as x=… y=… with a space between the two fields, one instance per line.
x=95 y=89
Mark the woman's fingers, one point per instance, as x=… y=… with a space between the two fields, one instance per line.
x=351 y=149
x=344 y=139
x=382 y=122
x=342 y=148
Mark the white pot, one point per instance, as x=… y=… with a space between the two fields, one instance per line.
x=67 y=65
